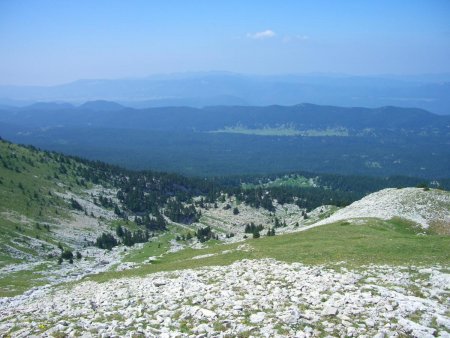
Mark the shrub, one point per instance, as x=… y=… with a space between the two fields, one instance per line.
x=67 y=254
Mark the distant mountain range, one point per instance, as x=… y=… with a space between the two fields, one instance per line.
x=301 y=117
x=430 y=92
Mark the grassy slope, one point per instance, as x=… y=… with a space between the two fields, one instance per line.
x=28 y=180
x=29 y=207
x=394 y=242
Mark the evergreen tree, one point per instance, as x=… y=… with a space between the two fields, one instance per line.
x=119 y=231
x=106 y=241
x=277 y=223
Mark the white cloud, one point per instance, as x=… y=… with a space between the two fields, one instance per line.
x=267 y=34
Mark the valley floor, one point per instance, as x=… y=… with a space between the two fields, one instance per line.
x=259 y=298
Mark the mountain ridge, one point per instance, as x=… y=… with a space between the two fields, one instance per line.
x=210 y=118
x=200 y=88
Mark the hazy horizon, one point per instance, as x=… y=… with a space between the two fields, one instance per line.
x=419 y=76
x=48 y=43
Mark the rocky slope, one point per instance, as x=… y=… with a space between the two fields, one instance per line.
x=258 y=298
x=421 y=206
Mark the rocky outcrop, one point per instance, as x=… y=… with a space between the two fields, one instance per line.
x=421 y=206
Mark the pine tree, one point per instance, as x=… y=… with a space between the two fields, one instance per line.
x=277 y=223
x=247 y=229
x=119 y=231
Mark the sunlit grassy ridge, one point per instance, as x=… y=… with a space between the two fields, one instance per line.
x=393 y=242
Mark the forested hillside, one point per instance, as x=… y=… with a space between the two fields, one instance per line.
x=356 y=121
x=241 y=140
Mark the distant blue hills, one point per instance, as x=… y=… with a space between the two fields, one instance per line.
x=430 y=92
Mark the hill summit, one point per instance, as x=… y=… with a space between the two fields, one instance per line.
x=425 y=207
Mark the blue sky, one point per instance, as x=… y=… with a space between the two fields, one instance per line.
x=50 y=42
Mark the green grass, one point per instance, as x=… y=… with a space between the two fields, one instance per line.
x=28 y=180
x=284 y=130
x=155 y=247
x=377 y=242
x=130 y=225
x=286 y=181
x=18 y=282
x=6 y=259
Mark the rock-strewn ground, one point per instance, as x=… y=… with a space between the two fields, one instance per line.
x=77 y=229
x=248 y=298
x=223 y=221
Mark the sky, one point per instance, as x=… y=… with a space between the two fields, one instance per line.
x=49 y=42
